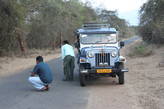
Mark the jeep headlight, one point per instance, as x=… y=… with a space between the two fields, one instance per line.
x=90 y=54
x=83 y=60
x=114 y=54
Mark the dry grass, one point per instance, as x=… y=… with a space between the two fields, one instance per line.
x=14 y=64
x=35 y=52
x=141 y=49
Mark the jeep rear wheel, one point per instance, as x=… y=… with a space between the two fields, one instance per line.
x=82 y=80
x=121 y=74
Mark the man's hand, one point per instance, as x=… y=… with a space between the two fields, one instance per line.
x=32 y=74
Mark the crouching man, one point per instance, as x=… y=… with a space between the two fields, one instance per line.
x=41 y=76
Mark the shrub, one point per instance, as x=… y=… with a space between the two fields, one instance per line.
x=141 y=50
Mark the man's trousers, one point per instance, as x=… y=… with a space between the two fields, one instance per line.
x=36 y=82
x=69 y=65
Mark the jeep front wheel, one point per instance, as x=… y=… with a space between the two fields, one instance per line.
x=121 y=78
x=121 y=74
x=82 y=80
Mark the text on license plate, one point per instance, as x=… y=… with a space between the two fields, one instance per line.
x=104 y=70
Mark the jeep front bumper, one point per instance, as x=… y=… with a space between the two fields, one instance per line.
x=103 y=71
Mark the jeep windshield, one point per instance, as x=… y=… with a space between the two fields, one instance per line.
x=98 y=38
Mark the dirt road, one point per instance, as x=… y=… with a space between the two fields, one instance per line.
x=144 y=87
x=146 y=77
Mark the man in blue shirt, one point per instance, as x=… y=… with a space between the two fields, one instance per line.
x=41 y=75
x=68 y=57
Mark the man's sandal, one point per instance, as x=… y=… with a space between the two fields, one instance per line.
x=45 y=88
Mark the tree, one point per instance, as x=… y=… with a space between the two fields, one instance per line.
x=152 y=21
x=56 y=20
x=112 y=18
x=43 y=24
x=10 y=19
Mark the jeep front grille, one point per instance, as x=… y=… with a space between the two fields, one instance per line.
x=102 y=59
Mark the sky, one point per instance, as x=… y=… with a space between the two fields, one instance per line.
x=127 y=9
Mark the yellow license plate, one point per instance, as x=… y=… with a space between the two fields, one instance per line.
x=104 y=70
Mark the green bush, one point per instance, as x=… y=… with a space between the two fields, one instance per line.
x=141 y=50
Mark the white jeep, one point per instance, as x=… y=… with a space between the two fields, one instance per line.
x=99 y=53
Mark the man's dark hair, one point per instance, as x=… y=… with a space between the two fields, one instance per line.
x=65 y=42
x=39 y=58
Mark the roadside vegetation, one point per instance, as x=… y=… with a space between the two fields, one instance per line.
x=151 y=26
x=39 y=24
x=43 y=24
x=141 y=49
x=111 y=17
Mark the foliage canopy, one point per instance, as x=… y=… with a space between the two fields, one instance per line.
x=43 y=24
x=152 y=21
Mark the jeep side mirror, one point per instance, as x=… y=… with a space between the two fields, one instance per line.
x=122 y=44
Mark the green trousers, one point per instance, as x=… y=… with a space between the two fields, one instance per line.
x=69 y=65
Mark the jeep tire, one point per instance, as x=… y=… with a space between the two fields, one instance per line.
x=121 y=74
x=82 y=80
